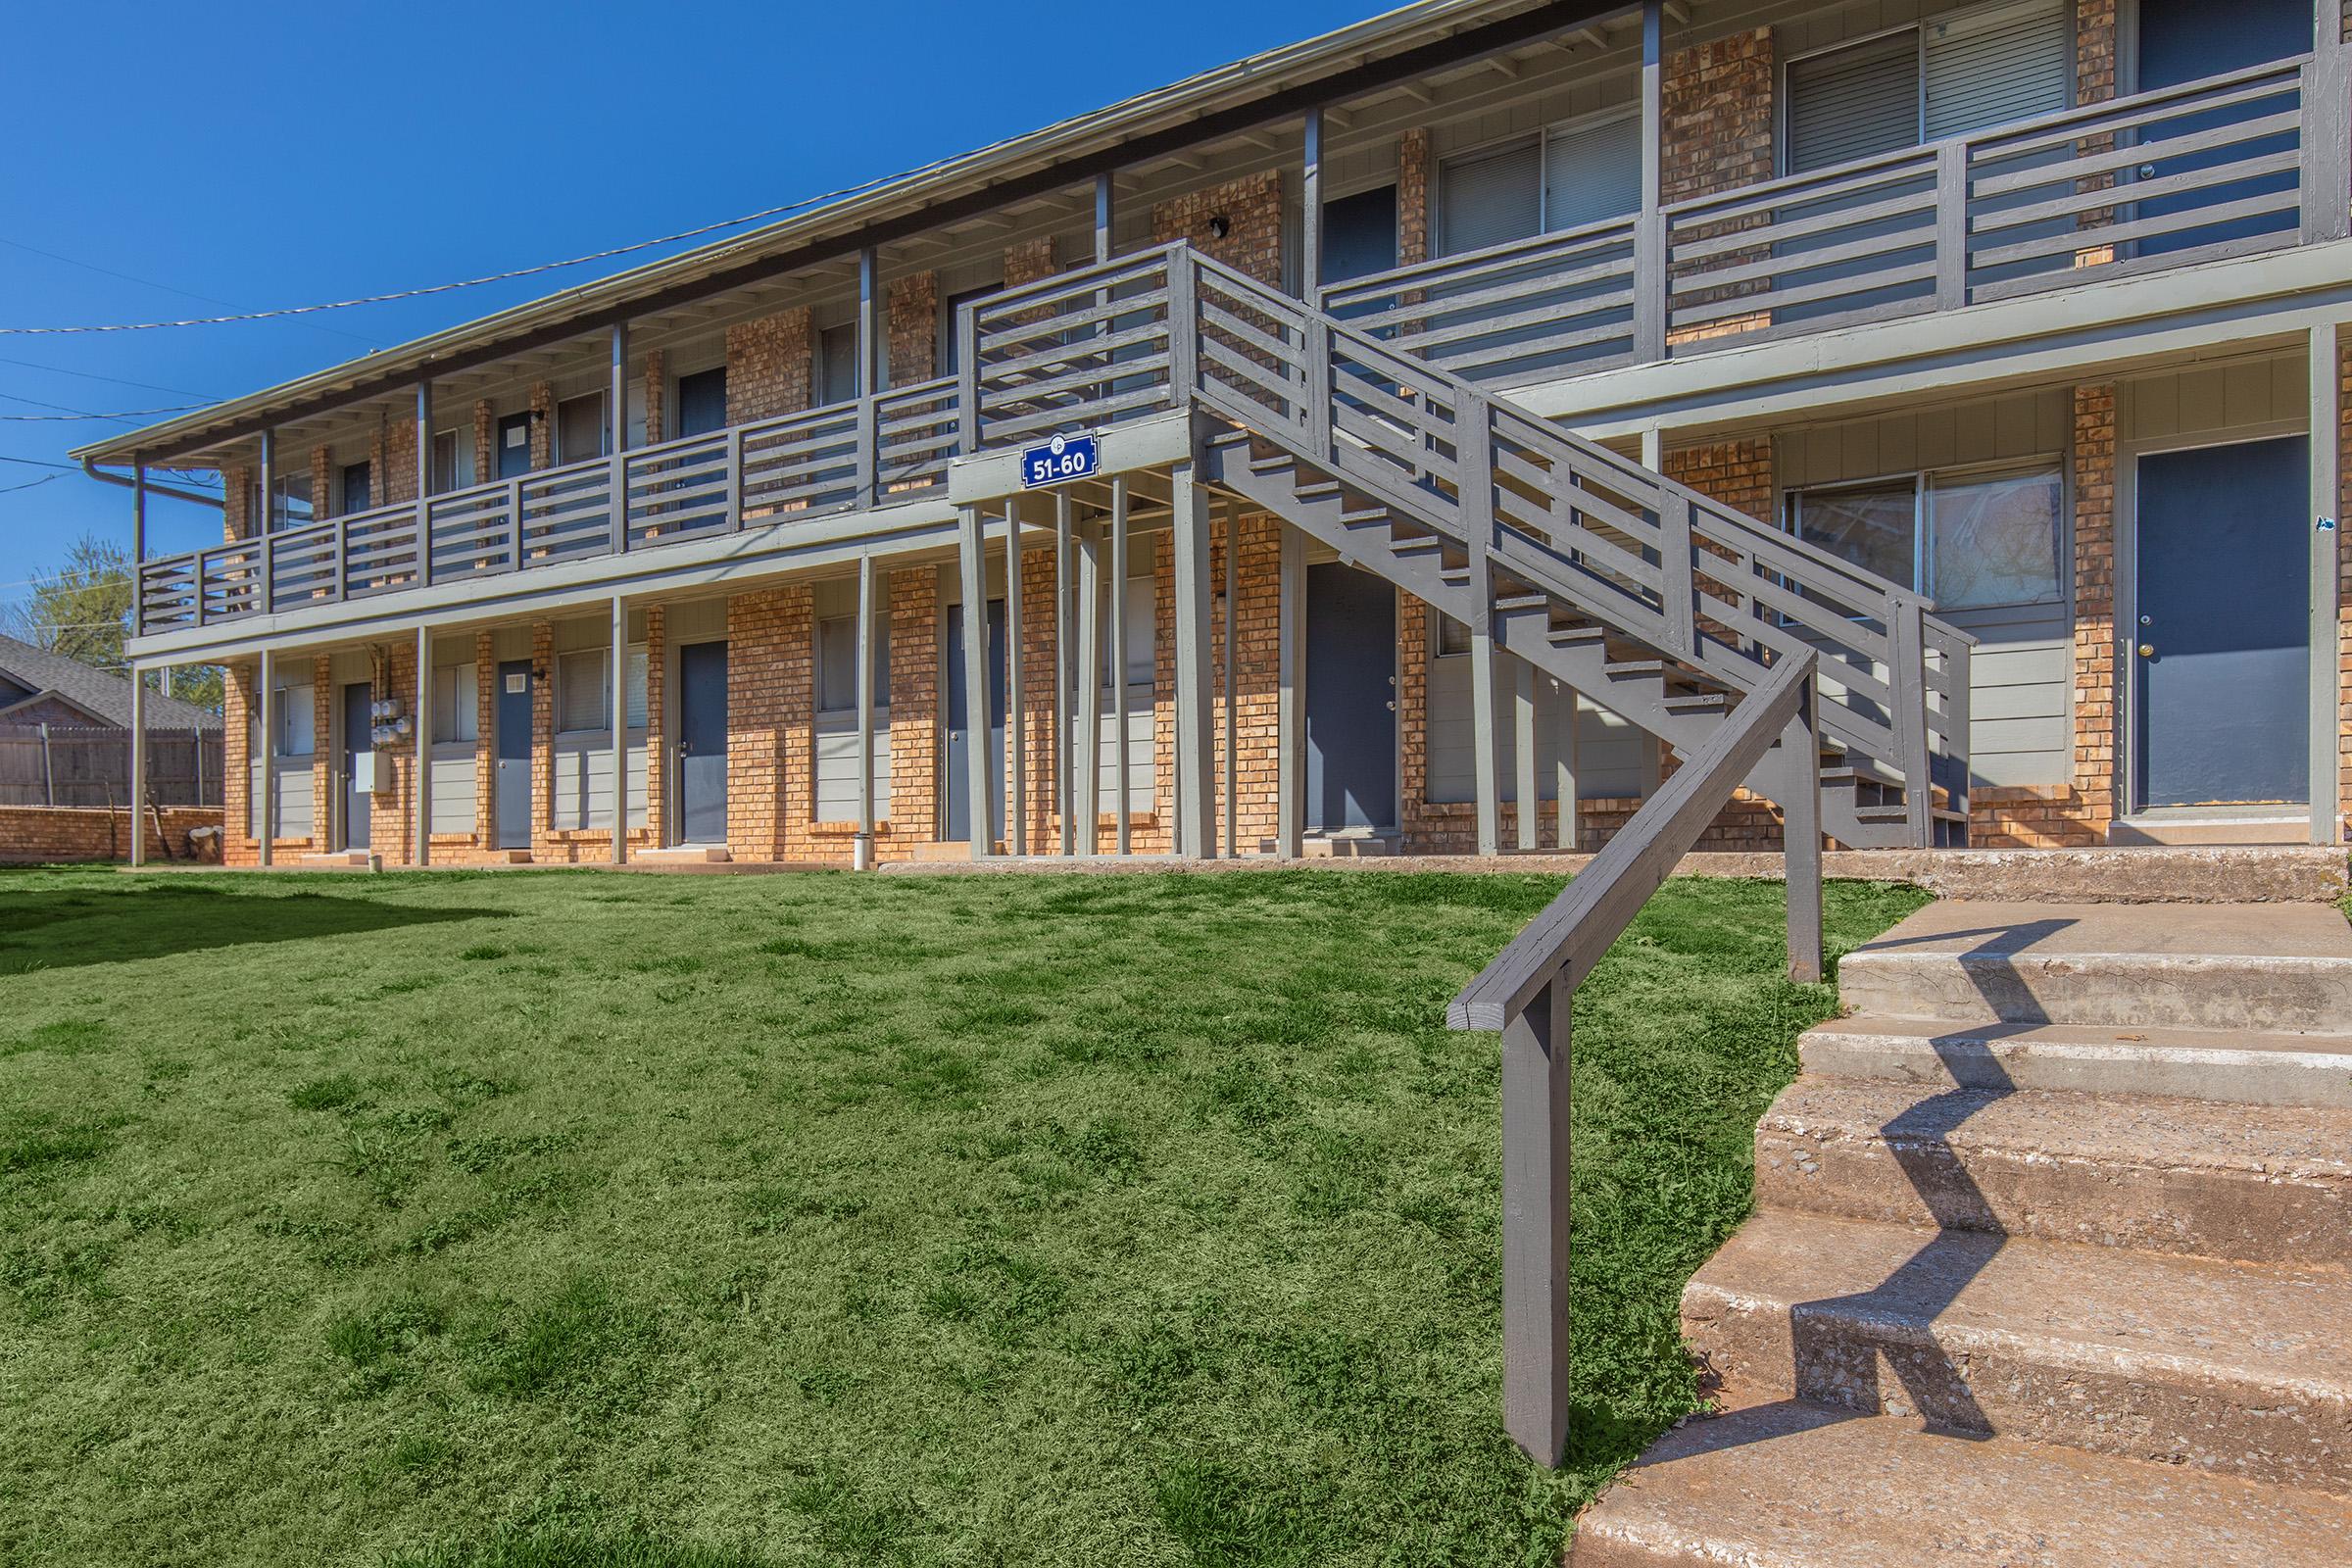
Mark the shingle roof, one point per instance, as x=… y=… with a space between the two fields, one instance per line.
x=105 y=698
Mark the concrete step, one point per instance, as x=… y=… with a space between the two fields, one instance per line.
x=2280 y=967
x=2263 y=1184
x=2172 y=829
x=1796 y=1485
x=2236 y=1066
x=684 y=854
x=2227 y=1368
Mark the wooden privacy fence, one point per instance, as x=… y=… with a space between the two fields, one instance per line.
x=53 y=765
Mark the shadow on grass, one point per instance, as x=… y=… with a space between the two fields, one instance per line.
x=65 y=928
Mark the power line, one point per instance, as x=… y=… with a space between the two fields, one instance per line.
x=149 y=282
x=492 y=278
x=28 y=484
x=92 y=375
x=126 y=416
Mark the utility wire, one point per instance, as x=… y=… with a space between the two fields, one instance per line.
x=126 y=416
x=492 y=278
x=149 y=282
x=29 y=484
x=92 y=375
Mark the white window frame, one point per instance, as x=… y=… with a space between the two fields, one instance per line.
x=465 y=682
x=1923 y=486
x=818 y=662
x=638 y=678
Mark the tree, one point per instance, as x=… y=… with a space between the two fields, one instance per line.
x=82 y=612
x=81 y=609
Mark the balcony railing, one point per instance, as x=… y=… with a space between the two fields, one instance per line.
x=2234 y=164
x=2228 y=166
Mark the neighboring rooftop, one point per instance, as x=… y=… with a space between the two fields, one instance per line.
x=28 y=674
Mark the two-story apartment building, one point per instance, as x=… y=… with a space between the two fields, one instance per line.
x=1410 y=438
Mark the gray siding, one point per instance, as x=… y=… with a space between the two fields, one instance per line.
x=837 y=765
x=1608 y=749
x=453 y=795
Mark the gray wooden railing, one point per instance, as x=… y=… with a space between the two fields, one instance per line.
x=2231 y=165
x=1527 y=991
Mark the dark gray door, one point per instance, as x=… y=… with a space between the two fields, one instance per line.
x=959 y=745
x=702 y=743
x=701 y=402
x=358 y=728
x=2222 y=648
x=514 y=716
x=514 y=446
x=2183 y=40
x=1350 y=699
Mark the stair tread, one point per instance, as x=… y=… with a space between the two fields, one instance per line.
x=2128 y=1134
x=2046 y=1056
x=1962 y=927
x=1800 y=1486
x=2105 y=1310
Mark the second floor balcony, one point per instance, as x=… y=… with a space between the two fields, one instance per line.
x=2234 y=165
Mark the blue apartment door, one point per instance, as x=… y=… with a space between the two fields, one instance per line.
x=513 y=715
x=514 y=446
x=357 y=745
x=2221 y=648
x=702 y=743
x=1350 y=699
x=959 y=729
x=2183 y=40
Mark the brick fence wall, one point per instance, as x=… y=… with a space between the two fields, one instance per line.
x=39 y=835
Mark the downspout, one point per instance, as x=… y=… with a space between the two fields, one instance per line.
x=89 y=466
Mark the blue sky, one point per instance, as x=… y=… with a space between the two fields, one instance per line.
x=176 y=160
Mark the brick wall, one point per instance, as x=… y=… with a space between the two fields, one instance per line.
x=543 y=425
x=1716 y=116
x=1252 y=208
x=767 y=367
x=326 y=496
x=395 y=461
x=1041 y=736
x=40 y=835
x=485 y=427
x=914 y=328
x=912 y=808
x=2094 y=51
x=657 y=394
x=1412 y=197
x=236 y=506
x=755 y=717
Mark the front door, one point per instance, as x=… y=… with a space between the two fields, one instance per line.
x=1350 y=699
x=2221 y=644
x=357 y=760
x=959 y=744
x=514 y=716
x=514 y=446
x=2184 y=40
x=702 y=743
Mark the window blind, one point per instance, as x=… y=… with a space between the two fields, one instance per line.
x=1492 y=197
x=1996 y=64
x=1853 y=102
x=1593 y=171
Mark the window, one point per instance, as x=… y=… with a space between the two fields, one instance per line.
x=948 y=313
x=289 y=502
x=356 y=487
x=584 y=696
x=580 y=430
x=837 y=364
x=1980 y=67
x=1581 y=172
x=294 y=720
x=1453 y=637
x=1969 y=540
x=836 y=663
x=703 y=401
x=456 y=703
x=451 y=449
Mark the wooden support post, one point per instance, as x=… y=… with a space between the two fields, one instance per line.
x=1123 y=836
x=972 y=571
x=617 y=441
x=1105 y=194
x=1485 y=749
x=1653 y=750
x=420 y=735
x=1189 y=538
x=1649 y=224
x=1800 y=828
x=265 y=821
x=138 y=767
x=1530 y=807
x=138 y=549
x=620 y=730
x=861 y=848
x=2326 y=545
x=424 y=485
x=1564 y=836
x=1310 y=211
x=2327 y=193
x=1065 y=600
x=1535 y=1225
x=1233 y=687
x=1087 y=762
x=1290 y=784
x=1016 y=729
x=265 y=590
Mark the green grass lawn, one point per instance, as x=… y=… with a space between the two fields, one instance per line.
x=552 y=1218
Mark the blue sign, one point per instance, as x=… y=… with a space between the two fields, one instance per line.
x=1061 y=460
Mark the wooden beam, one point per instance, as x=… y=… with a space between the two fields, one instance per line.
x=266 y=816
x=1189 y=538
x=421 y=773
x=861 y=848
x=1120 y=765
x=2324 y=360
x=1290 y=784
x=971 y=564
x=1086 y=764
x=620 y=730
x=1016 y=729
x=1530 y=805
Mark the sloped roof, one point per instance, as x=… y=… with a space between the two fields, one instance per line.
x=105 y=698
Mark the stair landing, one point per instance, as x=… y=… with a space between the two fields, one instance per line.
x=2049 y=1267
